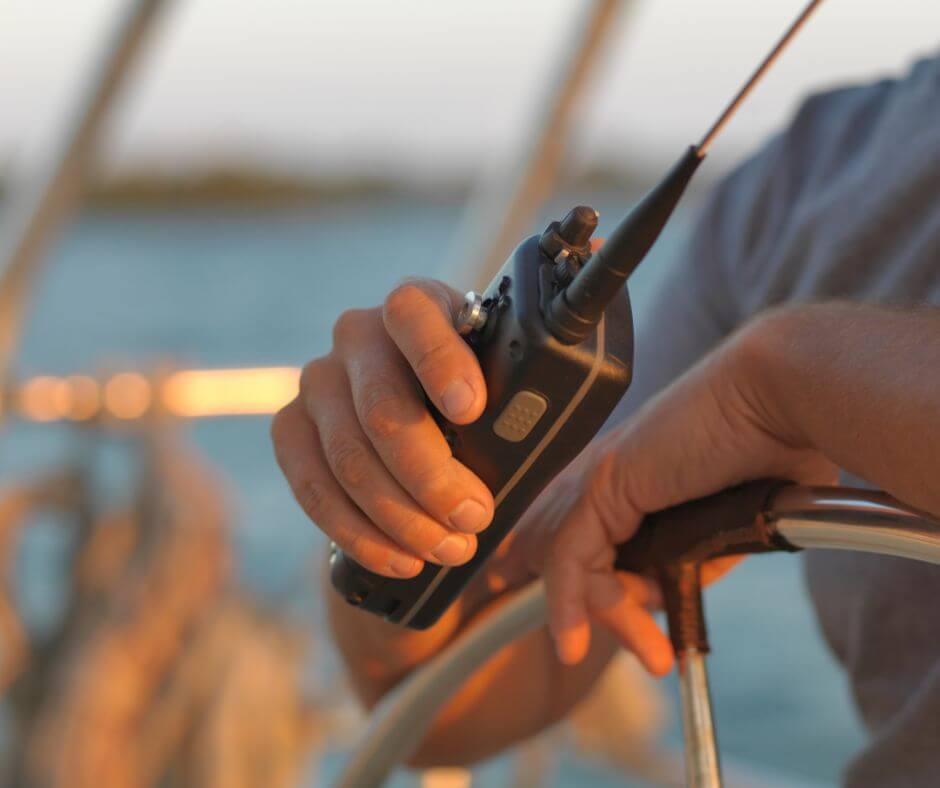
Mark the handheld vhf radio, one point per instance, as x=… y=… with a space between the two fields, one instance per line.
x=554 y=336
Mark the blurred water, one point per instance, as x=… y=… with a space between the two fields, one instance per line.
x=237 y=288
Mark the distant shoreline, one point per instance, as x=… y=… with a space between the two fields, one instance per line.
x=256 y=189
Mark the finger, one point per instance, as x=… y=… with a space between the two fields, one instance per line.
x=578 y=547
x=419 y=317
x=394 y=417
x=297 y=448
x=366 y=480
x=620 y=601
x=542 y=521
x=603 y=513
x=567 y=611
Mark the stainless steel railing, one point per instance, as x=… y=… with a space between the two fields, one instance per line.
x=807 y=517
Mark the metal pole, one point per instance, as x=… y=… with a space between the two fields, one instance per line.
x=702 y=768
x=32 y=219
x=838 y=518
x=403 y=717
x=503 y=208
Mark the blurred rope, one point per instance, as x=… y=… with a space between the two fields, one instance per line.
x=503 y=207
x=162 y=669
x=35 y=213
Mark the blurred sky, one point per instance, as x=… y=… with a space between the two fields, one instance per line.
x=430 y=87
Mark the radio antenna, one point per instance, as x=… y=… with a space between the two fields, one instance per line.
x=576 y=310
x=756 y=77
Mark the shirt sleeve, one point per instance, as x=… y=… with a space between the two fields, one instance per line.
x=711 y=288
x=688 y=306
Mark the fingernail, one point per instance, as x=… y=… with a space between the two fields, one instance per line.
x=457 y=398
x=452 y=549
x=470 y=516
x=403 y=565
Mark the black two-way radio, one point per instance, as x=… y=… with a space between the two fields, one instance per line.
x=554 y=336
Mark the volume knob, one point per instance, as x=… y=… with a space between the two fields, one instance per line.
x=472 y=315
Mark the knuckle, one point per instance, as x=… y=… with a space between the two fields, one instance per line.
x=348 y=459
x=383 y=410
x=762 y=337
x=363 y=550
x=430 y=479
x=314 y=500
x=280 y=430
x=311 y=374
x=347 y=325
x=432 y=358
x=631 y=488
x=401 y=303
x=613 y=495
x=414 y=531
x=353 y=544
x=276 y=427
x=603 y=488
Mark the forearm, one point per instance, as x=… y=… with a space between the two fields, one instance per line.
x=520 y=691
x=378 y=654
x=862 y=385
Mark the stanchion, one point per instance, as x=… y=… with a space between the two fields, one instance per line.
x=702 y=766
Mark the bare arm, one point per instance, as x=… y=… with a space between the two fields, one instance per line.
x=521 y=691
x=794 y=393
x=862 y=385
x=797 y=393
x=369 y=466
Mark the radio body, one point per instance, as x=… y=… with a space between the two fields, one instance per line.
x=545 y=401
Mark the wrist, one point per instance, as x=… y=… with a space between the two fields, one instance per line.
x=769 y=370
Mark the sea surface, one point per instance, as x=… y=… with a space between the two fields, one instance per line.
x=230 y=288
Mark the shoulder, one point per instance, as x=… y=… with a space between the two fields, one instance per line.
x=758 y=198
x=775 y=211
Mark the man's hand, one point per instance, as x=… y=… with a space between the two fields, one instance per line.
x=715 y=427
x=362 y=453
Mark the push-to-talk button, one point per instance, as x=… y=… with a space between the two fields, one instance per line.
x=519 y=417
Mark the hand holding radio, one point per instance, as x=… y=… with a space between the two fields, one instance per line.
x=363 y=455
x=548 y=354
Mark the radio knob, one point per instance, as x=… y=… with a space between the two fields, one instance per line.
x=472 y=315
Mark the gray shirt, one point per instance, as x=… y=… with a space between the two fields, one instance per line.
x=844 y=204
